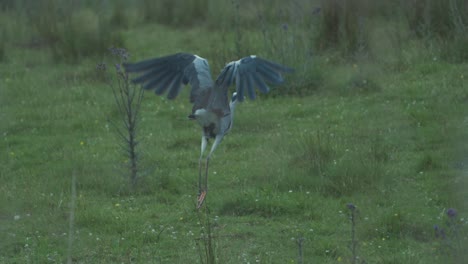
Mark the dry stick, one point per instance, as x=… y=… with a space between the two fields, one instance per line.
x=72 y=217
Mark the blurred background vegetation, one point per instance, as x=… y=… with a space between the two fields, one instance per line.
x=292 y=32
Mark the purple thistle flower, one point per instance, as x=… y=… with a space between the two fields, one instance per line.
x=101 y=66
x=120 y=52
x=351 y=206
x=451 y=212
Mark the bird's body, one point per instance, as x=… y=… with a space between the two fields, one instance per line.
x=212 y=108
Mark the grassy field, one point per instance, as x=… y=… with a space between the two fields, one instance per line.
x=384 y=130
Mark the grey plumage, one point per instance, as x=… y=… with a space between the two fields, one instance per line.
x=211 y=106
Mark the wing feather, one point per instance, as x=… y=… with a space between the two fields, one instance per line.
x=250 y=72
x=168 y=73
x=260 y=84
x=250 y=85
x=174 y=87
x=161 y=84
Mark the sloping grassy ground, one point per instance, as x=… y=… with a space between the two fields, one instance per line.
x=391 y=141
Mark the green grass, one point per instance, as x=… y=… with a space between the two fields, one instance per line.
x=387 y=136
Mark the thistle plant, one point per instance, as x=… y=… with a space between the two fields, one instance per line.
x=128 y=101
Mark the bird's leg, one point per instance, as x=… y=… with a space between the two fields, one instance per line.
x=204 y=142
x=206 y=172
x=201 y=197
x=218 y=140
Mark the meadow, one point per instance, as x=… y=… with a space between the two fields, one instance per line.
x=361 y=156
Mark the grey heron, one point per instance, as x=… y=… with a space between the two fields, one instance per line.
x=212 y=108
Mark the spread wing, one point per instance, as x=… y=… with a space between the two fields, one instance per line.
x=250 y=72
x=170 y=72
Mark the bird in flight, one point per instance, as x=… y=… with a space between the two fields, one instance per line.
x=212 y=109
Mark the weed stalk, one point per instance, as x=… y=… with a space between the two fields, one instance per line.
x=353 y=246
x=300 y=246
x=207 y=254
x=237 y=27
x=72 y=218
x=128 y=99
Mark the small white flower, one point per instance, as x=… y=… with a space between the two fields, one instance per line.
x=17 y=217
